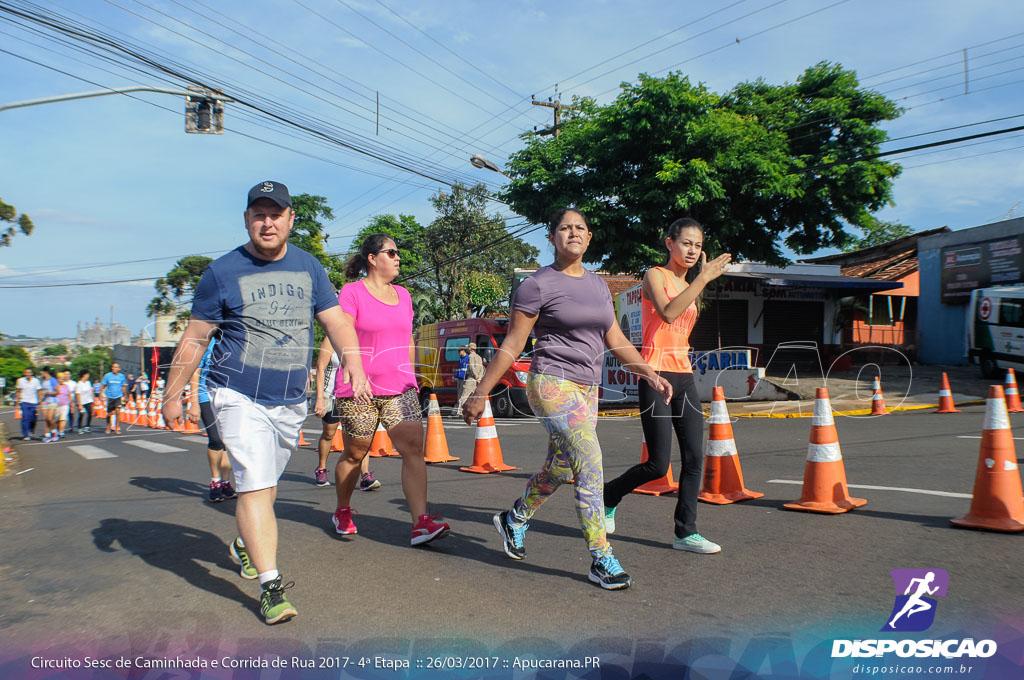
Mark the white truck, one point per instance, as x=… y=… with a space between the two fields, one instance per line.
x=995 y=329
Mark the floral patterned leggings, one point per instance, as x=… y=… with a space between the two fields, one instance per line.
x=568 y=412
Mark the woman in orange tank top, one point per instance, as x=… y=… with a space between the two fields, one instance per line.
x=668 y=312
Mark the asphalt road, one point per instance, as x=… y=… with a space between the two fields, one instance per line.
x=122 y=551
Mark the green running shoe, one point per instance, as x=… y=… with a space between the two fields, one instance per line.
x=241 y=555
x=273 y=604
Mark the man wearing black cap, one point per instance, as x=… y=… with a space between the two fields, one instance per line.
x=263 y=296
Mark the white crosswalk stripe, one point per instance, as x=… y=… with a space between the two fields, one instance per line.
x=155 y=447
x=90 y=452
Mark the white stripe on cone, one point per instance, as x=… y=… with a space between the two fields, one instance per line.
x=719 y=414
x=945 y=393
x=996 y=417
x=823 y=453
x=434 y=409
x=721 y=447
x=822 y=413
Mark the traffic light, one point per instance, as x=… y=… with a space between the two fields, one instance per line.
x=204 y=113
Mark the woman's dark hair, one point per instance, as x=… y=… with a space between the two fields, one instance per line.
x=673 y=232
x=556 y=219
x=360 y=262
x=82 y=374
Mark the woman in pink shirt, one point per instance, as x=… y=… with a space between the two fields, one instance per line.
x=382 y=315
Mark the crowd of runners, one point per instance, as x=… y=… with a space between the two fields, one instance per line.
x=65 y=404
x=247 y=353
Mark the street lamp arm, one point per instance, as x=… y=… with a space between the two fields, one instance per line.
x=112 y=90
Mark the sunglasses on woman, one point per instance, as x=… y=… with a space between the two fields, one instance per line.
x=392 y=252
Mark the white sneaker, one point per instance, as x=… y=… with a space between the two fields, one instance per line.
x=696 y=543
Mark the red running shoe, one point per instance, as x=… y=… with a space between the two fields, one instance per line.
x=343 y=523
x=427 y=530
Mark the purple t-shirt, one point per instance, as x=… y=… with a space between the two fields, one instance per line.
x=573 y=316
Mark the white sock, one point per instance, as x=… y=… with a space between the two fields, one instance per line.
x=215 y=480
x=268 y=576
x=113 y=421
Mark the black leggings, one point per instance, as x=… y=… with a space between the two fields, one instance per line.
x=210 y=425
x=682 y=414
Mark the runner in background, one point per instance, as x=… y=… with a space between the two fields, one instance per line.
x=84 y=398
x=114 y=384
x=28 y=387
x=326 y=366
x=216 y=453
x=48 y=403
x=63 y=403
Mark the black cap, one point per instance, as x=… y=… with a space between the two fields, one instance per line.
x=275 y=191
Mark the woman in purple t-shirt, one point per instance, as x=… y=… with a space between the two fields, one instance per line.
x=382 y=315
x=569 y=309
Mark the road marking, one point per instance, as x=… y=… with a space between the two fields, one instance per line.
x=978 y=436
x=195 y=439
x=928 y=492
x=155 y=447
x=90 y=452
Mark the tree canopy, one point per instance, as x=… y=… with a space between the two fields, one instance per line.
x=175 y=290
x=459 y=265
x=876 y=232
x=308 y=233
x=761 y=167
x=10 y=216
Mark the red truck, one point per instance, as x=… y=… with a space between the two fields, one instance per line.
x=437 y=357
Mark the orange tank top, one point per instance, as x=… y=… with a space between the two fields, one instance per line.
x=666 y=346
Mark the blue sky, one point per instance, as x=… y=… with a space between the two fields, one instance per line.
x=115 y=185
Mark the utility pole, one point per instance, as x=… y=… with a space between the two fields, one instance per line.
x=558 y=107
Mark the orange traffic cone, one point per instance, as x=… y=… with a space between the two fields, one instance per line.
x=160 y=424
x=17 y=413
x=997 y=503
x=302 y=439
x=338 y=443
x=877 y=401
x=946 y=404
x=437 y=444
x=191 y=427
x=486 y=449
x=381 y=445
x=723 y=478
x=99 y=409
x=1012 y=395
x=824 y=487
x=127 y=412
x=145 y=410
x=656 y=487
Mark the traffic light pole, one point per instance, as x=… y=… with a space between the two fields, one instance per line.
x=204 y=109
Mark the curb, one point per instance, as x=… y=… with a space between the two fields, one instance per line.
x=859 y=412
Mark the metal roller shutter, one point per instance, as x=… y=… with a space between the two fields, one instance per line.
x=720 y=318
x=799 y=324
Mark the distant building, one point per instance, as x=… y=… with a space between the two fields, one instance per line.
x=114 y=334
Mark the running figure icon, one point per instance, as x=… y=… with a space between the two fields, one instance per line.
x=915 y=603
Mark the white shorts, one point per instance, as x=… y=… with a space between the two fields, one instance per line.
x=63 y=411
x=259 y=439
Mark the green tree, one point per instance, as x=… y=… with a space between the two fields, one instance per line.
x=751 y=165
x=55 y=351
x=308 y=233
x=462 y=243
x=97 y=363
x=876 y=232
x=10 y=215
x=175 y=290
x=405 y=231
x=14 y=352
